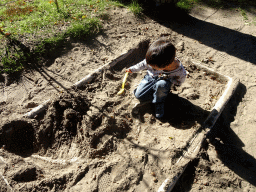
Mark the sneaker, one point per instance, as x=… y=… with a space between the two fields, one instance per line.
x=159 y=110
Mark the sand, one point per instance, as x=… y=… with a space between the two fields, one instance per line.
x=91 y=139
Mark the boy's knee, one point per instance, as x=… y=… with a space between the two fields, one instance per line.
x=162 y=84
x=142 y=96
x=137 y=94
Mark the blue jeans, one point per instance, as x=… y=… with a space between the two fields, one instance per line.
x=153 y=89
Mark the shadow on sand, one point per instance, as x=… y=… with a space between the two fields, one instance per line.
x=233 y=42
x=228 y=144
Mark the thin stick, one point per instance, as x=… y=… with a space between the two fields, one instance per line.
x=6 y=182
x=103 y=79
x=10 y=188
x=57 y=5
x=58 y=161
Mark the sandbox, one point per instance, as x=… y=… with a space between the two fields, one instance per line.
x=91 y=139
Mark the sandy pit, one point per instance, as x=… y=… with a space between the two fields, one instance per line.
x=91 y=138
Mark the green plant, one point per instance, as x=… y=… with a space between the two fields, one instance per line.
x=57 y=5
x=82 y=30
x=135 y=7
x=186 y=4
x=13 y=58
x=243 y=13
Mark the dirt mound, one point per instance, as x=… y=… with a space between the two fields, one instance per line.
x=59 y=125
x=86 y=120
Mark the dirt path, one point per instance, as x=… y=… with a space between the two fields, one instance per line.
x=90 y=154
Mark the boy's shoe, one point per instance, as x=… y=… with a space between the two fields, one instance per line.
x=159 y=110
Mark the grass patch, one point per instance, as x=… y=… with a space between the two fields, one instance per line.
x=41 y=22
x=187 y=5
x=243 y=13
x=81 y=30
x=40 y=16
x=135 y=7
x=228 y=3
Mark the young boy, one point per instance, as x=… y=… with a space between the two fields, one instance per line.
x=164 y=69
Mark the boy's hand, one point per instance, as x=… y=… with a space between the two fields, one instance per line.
x=128 y=70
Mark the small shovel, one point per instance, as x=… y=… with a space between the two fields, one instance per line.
x=122 y=90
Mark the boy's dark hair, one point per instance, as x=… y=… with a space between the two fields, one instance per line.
x=161 y=53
